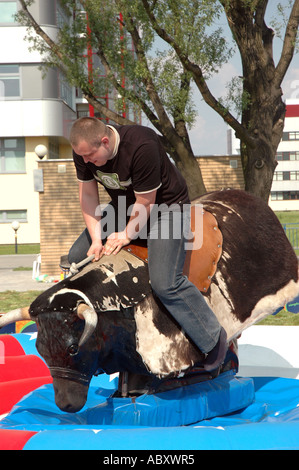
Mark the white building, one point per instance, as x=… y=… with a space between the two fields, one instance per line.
x=33 y=111
x=285 y=187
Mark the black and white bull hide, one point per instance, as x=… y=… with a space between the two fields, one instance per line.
x=106 y=317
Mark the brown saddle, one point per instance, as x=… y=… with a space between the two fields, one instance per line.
x=201 y=264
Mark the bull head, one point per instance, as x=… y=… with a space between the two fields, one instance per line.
x=71 y=367
x=84 y=312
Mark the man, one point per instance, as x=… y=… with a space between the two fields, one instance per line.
x=133 y=166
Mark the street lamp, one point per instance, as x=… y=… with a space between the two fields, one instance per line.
x=41 y=151
x=15 y=226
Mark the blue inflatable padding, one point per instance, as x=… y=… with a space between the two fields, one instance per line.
x=182 y=406
x=179 y=407
x=271 y=421
x=262 y=436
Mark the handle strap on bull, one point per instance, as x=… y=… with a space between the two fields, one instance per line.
x=75 y=267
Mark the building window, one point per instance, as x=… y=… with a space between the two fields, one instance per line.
x=279 y=156
x=276 y=196
x=287 y=156
x=12 y=155
x=10 y=81
x=294 y=156
x=294 y=135
x=277 y=176
x=53 y=148
x=9 y=216
x=294 y=175
x=286 y=176
x=65 y=91
x=7 y=11
x=285 y=195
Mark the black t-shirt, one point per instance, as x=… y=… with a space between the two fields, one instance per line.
x=140 y=165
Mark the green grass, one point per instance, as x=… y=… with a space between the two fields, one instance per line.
x=11 y=299
x=30 y=249
x=288 y=217
x=23 y=268
x=283 y=318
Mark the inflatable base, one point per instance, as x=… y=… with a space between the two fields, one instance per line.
x=226 y=413
x=179 y=407
x=271 y=421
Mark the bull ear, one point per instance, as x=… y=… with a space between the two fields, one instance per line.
x=90 y=316
x=14 y=315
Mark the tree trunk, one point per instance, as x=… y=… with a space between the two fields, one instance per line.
x=264 y=111
x=187 y=163
x=264 y=121
x=258 y=169
x=189 y=168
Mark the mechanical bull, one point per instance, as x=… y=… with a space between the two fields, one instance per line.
x=107 y=319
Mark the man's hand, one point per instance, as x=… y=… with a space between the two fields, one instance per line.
x=96 y=249
x=115 y=242
x=139 y=216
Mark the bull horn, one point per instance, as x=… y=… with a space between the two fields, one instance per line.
x=91 y=319
x=18 y=314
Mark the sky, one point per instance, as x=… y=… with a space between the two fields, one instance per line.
x=209 y=134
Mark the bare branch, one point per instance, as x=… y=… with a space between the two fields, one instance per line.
x=147 y=79
x=200 y=81
x=104 y=110
x=288 y=44
x=52 y=45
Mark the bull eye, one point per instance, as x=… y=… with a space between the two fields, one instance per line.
x=73 y=349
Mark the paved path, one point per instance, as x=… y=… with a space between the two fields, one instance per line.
x=19 y=280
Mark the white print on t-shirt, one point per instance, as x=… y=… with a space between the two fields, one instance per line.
x=111 y=180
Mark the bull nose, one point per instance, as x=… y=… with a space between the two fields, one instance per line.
x=69 y=397
x=69 y=407
x=69 y=404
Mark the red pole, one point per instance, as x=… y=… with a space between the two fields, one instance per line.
x=89 y=62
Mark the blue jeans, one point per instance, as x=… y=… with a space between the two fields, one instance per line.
x=181 y=298
x=166 y=258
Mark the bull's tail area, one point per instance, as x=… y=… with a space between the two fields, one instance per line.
x=258 y=270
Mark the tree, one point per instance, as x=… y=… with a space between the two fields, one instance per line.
x=161 y=84
x=264 y=113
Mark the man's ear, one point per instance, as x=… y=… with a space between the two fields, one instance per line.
x=105 y=140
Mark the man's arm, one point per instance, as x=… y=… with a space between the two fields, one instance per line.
x=89 y=201
x=140 y=214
